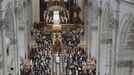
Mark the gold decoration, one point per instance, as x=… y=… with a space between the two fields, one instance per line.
x=91 y=64
x=61 y=2
x=56 y=7
x=57 y=27
x=33 y=44
x=27 y=64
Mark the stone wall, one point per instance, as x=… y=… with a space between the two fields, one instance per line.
x=106 y=32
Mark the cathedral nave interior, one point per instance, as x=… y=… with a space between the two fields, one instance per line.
x=55 y=49
x=66 y=37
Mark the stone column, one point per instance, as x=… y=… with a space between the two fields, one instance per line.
x=98 y=50
x=89 y=28
x=29 y=23
x=1 y=51
x=114 y=44
x=4 y=52
x=35 y=10
x=26 y=29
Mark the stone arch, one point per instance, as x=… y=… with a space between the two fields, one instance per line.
x=9 y=22
x=126 y=33
x=106 y=22
x=107 y=17
x=95 y=11
x=9 y=16
x=9 y=30
x=125 y=44
x=105 y=40
x=91 y=26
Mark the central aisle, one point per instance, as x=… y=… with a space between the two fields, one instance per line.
x=58 y=64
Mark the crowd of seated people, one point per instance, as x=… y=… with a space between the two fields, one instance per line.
x=71 y=38
x=41 y=54
x=75 y=56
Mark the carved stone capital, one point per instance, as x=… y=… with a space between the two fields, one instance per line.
x=18 y=7
x=125 y=64
x=21 y=28
x=106 y=41
x=94 y=28
x=99 y=11
x=90 y=3
x=1 y=24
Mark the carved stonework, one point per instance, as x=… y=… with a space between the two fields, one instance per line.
x=1 y=23
x=90 y=3
x=131 y=31
x=1 y=57
x=18 y=8
x=132 y=25
x=111 y=23
x=106 y=41
x=13 y=42
x=125 y=64
x=129 y=38
x=24 y=4
x=94 y=28
x=130 y=45
x=21 y=28
x=99 y=12
x=1 y=63
x=16 y=11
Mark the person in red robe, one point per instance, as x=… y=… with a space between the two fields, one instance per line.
x=57 y=45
